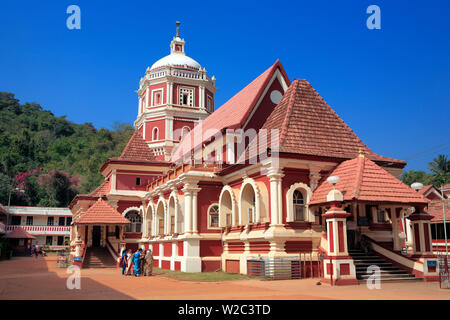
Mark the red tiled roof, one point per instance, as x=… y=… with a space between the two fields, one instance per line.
x=447 y=186
x=101 y=190
x=425 y=189
x=308 y=125
x=137 y=150
x=101 y=213
x=19 y=233
x=233 y=113
x=362 y=179
x=435 y=209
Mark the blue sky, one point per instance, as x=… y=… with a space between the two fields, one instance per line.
x=391 y=86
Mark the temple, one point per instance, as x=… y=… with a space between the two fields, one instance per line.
x=274 y=173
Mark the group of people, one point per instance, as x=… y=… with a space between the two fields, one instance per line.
x=36 y=250
x=138 y=263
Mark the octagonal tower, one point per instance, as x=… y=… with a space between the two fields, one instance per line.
x=174 y=95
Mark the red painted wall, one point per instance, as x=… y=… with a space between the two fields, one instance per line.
x=341 y=236
x=165 y=264
x=208 y=195
x=210 y=248
x=232 y=266
x=259 y=247
x=128 y=182
x=298 y=246
x=155 y=87
x=167 y=249
x=265 y=108
x=235 y=247
x=210 y=266
x=155 y=250
x=178 y=125
x=180 y=248
x=161 y=124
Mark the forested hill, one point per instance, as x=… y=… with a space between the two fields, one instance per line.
x=49 y=157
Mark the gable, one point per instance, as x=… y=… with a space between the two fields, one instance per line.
x=265 y=105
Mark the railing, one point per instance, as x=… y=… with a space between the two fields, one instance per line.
x=275 y=268
x=38 y=229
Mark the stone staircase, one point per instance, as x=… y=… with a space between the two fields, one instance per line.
x=388 y=271
x=98 y=258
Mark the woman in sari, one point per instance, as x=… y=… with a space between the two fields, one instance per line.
x=137 y=263
x=148 y=268
x=129 y=262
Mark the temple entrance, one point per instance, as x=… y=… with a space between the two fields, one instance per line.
x=96 y=235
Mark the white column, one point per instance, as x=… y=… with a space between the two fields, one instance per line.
x=395 y=230
x=168 y=92
x=276 y=212
x=194 y=213
x=201 y=98
x=146 y=98
x=187 y=211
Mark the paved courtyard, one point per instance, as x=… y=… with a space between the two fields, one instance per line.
x=28 y=278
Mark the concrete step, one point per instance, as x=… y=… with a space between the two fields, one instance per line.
x=394 y=280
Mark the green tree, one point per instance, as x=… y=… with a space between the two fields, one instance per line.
x=440 y=168
x=411 y=176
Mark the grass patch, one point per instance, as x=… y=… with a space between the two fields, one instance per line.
x=201 y=276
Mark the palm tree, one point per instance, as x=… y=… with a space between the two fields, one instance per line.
x=440 y=167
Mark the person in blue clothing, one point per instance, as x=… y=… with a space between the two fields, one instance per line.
x=123 y=261
x=137 y=263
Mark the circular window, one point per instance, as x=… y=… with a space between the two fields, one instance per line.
x=275 y=96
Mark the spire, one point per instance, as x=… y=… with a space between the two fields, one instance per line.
x=177 y=44
x=178 y=28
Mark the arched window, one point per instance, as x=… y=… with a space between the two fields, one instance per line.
x=155 y=134
x=160 y=218
x=299 y=206
x=213 y=216
x=184 y=131
x=226 y=209
x=248 y=205
x=172 y=215
x=136 y=222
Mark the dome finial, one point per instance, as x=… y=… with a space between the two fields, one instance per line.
x=178 y=28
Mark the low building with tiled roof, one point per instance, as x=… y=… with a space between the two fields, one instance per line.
x=209 y=189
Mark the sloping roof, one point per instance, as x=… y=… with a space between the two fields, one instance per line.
x=3 y=210
x=19 y=233
x=137 y=150
x=447 y=186
x=435 y=209
x=425 y=189
x=101 y=190
x=362 y=179
x=233 y=113
x=101 y=213
x=308 y=125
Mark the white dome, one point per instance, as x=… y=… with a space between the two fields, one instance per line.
x=176 y=59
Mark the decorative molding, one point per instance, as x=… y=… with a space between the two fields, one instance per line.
x=307 y=193
x=227 y=188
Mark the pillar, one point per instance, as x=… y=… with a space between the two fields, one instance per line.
x=421 y=243
x=339 y=268
x=276 y=198
x=191 y=260
x=187 y=211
